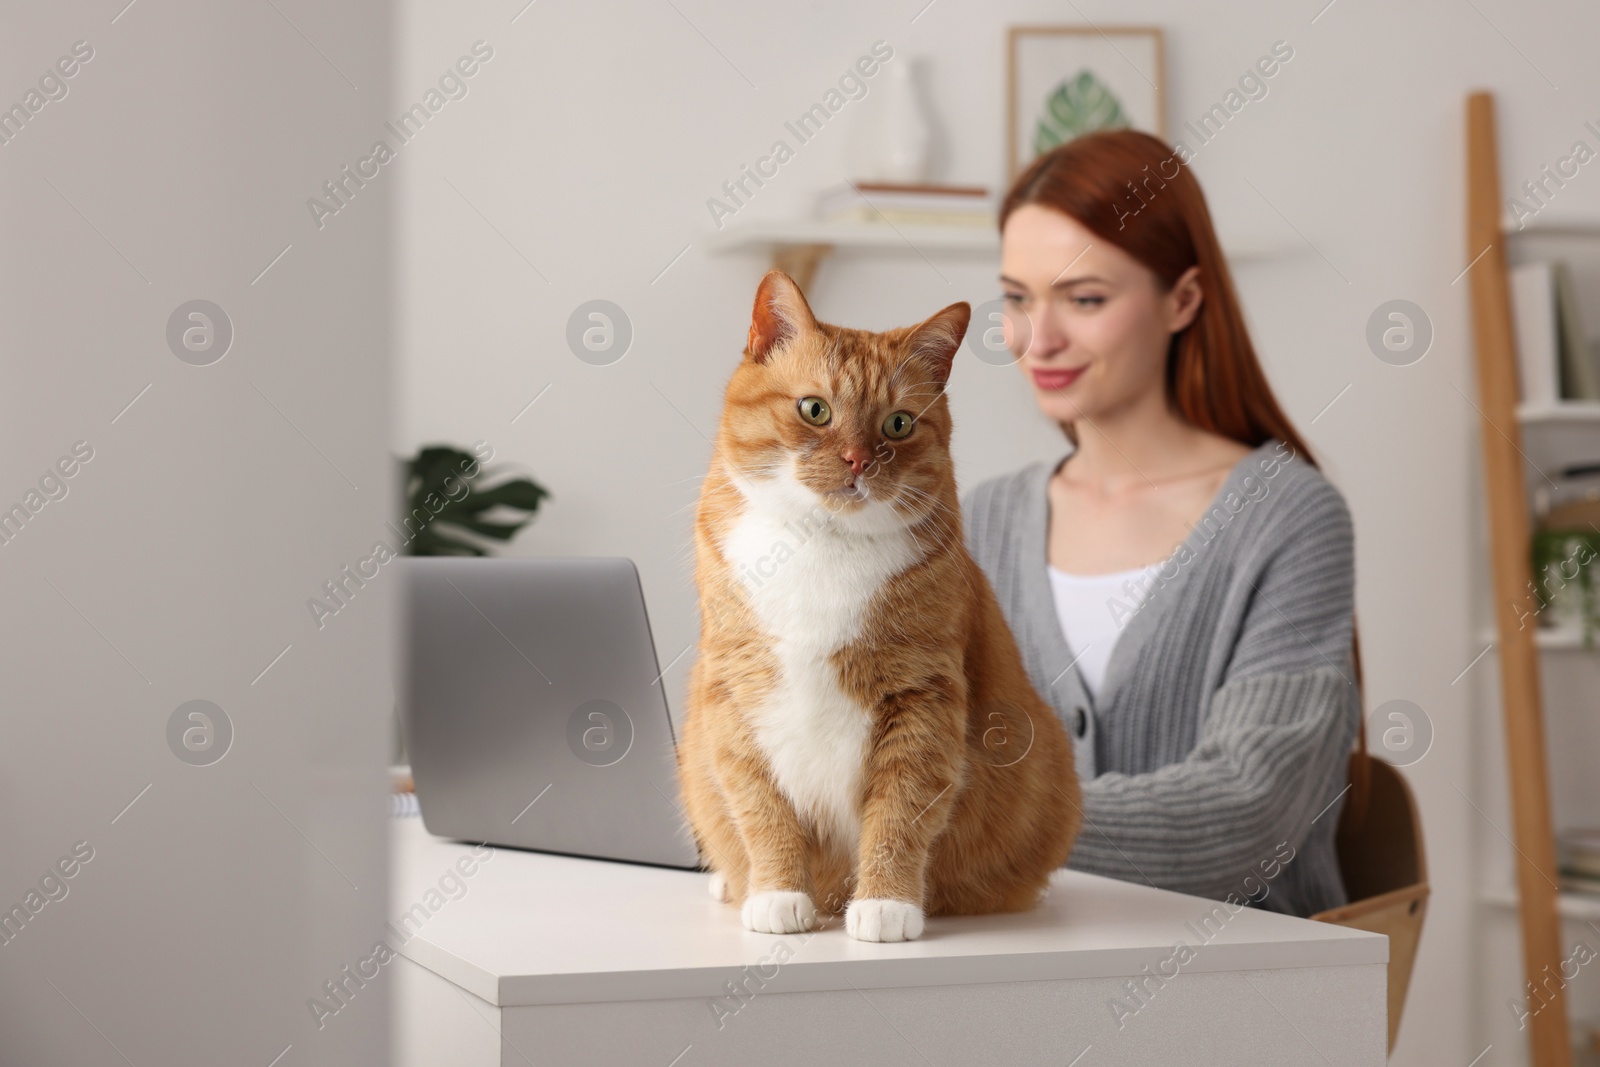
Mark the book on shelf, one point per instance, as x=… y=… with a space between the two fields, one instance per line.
x=923 y=204
x=1572 y=882
x=1555 y=359
x=1578 y=851
x=1580 y=378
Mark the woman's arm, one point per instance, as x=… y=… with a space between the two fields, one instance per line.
x=1271 y=759
x=1273 y=749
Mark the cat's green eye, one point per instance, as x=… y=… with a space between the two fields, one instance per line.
x=898 y=425
x=815 y=410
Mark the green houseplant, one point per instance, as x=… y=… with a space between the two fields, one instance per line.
x=445 y=496
x=1564 y=565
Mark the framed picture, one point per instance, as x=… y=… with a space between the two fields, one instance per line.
x=1064 y=81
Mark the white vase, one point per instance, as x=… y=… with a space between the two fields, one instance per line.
x=894 y=138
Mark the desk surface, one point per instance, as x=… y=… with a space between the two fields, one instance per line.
x=528 y=928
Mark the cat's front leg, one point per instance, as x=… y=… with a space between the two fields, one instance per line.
x=910 y=794
x=779 y=899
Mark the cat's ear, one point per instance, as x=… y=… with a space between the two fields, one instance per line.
x=934 y=340
x=780 y=314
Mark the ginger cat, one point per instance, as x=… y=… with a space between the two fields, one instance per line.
x=860 y=727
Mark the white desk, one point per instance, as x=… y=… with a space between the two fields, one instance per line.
x=547 y=960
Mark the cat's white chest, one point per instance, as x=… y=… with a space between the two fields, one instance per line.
x=810 y=578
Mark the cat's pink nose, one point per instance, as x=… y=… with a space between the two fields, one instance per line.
x=857 y=458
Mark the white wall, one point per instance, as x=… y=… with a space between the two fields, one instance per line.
x=588 y=146
x=216 y=899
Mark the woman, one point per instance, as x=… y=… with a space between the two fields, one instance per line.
x=1181 y=582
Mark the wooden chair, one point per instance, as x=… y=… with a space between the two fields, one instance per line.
x=1385 y=870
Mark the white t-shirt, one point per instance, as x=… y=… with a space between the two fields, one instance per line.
x=1093 y=609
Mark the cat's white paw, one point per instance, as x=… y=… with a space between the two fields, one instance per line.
x=719 y=887
x=878 y=919
x=778 y=911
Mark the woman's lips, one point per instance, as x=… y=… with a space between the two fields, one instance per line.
x=1055 y=378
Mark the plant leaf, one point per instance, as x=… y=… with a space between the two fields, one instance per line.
x=1079 y=105
x=500 y=531
x=521 y=494
x=434 y=468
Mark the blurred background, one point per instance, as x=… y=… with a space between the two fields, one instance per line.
x=581 y=166
x=546 y=266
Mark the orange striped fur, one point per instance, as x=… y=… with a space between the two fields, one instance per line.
x=861 y=735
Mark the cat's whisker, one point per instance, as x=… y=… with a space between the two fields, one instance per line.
x=932 y=402
x=833 y=353
x=924 y=495
x=938 y=509
x=910 y=527
x=896 y=375
x=922 y=551
x=741 y=477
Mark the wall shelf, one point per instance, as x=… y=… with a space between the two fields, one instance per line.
x=1560 y=435
x=1550 y=639
x=1566 y=411
x=864 y=236
x=1551 y=227
x=1577 y=907
x=797 y=246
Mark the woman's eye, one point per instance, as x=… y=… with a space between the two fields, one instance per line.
x=1088 y=301
x=1013 y=298
x=898 y=425
x=815 y=410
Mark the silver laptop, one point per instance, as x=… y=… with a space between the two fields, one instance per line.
x=534 y=710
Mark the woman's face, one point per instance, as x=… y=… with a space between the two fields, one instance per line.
x=1090 y=324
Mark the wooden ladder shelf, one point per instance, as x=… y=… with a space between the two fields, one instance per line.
x=1509 y=530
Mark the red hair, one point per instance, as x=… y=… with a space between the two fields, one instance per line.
x=1134 y=190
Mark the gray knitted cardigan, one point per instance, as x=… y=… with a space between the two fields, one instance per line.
x=1213 y=761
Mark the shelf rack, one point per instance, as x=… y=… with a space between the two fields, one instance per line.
x=1520 y=442
x=1552 y=639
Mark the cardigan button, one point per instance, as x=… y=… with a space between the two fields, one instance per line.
x=1080 y=721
